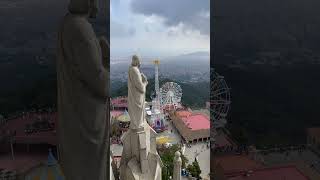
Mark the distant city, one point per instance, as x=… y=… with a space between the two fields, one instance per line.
x=187 y=68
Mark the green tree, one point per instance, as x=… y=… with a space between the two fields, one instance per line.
x=115 y=130
x=167 y=157
x=194 y=169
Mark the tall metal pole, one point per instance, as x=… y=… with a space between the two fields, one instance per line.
x=156 y=106
x=156 y=62
x=156 y=79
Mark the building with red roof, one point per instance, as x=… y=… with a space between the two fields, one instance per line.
x=235 y=163
x=25 y=140
x=196 y=122
x=119 y=103
x=183 y=113
x=289 y=172
x=191 y=126
x=115 y=113
x=19 y=125
x=241 y=167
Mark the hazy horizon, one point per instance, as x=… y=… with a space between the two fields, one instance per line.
x=157 y=29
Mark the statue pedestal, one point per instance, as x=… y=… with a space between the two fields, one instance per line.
x=140 y=160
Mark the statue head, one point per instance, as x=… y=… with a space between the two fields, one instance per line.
x=135 y=61
x=88 y=7
x=177 y=154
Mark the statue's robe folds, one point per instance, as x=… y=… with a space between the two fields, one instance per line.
x=82 y=101
x=136 y=98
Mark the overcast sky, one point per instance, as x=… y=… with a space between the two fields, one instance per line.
x=159 y=27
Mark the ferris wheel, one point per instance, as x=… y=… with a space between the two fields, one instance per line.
x=220 y=99
x=170 y=95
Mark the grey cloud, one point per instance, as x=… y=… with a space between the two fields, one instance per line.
x=172 y=33
x=189 y=12
x=146 y=28
x=120 y=30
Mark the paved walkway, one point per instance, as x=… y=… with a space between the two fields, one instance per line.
x=116 y=149
x=202 y=153
x=172 y=133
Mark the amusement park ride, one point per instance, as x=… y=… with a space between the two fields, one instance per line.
x=220 y=99
x=167 y=98
x=219 y=103
x=171 y=94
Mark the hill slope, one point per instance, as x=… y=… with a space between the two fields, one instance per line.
x=194 y=95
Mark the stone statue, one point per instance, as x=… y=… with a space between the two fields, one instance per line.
x=137 y=83
x=139 y=160
x=177 y=166
x=83 y=88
